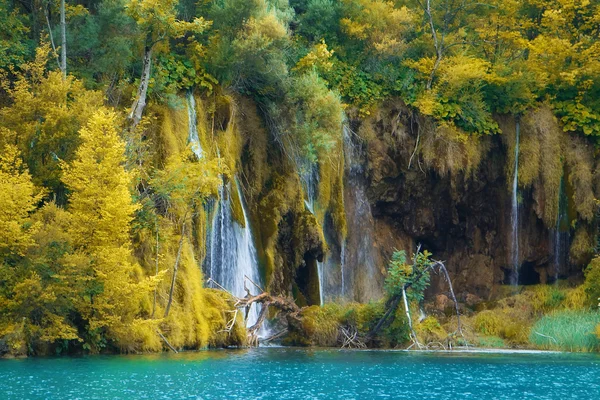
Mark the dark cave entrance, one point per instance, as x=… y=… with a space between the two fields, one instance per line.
x=307 y=280
x=527 y=275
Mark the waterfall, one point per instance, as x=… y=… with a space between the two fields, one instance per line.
x=309 y=176
x=561 y=232
x=232 y=254
x=342 y=270
x=360 y=272
x=515 y=213
x=193 y=126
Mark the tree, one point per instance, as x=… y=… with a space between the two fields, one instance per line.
x=102 y=210
x=47 y=111
x=18 y=199
x=157 y=21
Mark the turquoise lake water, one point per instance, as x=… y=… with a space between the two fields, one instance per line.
x=280 y=373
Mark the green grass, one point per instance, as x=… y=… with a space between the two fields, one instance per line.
x=490 y=342
x=567 y=331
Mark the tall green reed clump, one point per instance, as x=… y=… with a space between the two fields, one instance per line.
x=567 y=331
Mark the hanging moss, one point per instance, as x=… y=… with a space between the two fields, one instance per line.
x=582 y=246
x=174 y=131
x=449 y=150
x=540 y=161
x=236 y=205
x=580 y=160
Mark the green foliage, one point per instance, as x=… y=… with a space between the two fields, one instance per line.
x=491 y=342
x=15 y=46
x=414 y=277
x=567 y=331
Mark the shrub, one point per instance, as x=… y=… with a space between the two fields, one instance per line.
x=567 y=330
x=592 y=282
x=493 y=342
x=509 y=324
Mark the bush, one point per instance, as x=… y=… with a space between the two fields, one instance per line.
x=567 y=331
x=508 y=324
x=490 y=342
x=592 y=282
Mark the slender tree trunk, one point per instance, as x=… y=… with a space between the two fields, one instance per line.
x=156 y=273
x=52 y=40
x=140 y=102
x=175 y=268
x=63 y=37
x=439 y=45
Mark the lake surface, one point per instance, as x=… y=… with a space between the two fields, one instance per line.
x=283 y=373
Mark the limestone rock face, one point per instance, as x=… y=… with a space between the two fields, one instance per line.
x=462 y=216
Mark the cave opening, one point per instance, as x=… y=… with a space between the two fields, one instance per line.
x=527 y=275
x=307 y=280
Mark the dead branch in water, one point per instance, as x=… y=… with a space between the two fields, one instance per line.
x=283 y=305
x=350 y=338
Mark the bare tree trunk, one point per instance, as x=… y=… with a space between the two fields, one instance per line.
x=439 y=45
x=140 y=102
x=51 y=36
x=63 y=37
x=175 y=268
x=156 y=273
x=413 y=334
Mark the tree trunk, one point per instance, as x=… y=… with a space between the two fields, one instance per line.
x=140 y=102
x=156 y=273
x=175 y=268
x=63 y=37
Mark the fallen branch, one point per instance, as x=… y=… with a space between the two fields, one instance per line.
x=167 y=342
x=265 y=300
x=546 y=336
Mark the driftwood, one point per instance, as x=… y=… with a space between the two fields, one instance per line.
x=349 y=338
x=282 y=304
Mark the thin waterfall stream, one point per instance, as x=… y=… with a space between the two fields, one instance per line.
x=309 y=177
x=515 y=212
x=193 y=126
x=561 y=232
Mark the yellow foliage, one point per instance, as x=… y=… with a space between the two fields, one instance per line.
x=18 y=198
x=102 y=210
x=381 y=24
x=47 y=113
x=318 y=58
x=429 y=330
x=507 y=324
x=576 y=299
x=580 y=163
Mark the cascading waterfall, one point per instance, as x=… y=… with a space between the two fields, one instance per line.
x=342 y=270
x=358 y=248
x=515 y=213
x=193 y=126
x=232 y=254
x=310 y=180
x=561 y=232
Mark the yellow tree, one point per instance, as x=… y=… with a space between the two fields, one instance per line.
x=29 y=306
x=102 y=210
x=46 y=112
x=18 y=198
